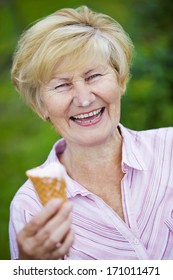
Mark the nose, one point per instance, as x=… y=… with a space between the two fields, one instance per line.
x=82 y=94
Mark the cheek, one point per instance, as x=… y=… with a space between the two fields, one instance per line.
x=111 y=94
x=55 y=106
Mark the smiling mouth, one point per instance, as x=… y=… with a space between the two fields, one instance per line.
x=88 y=119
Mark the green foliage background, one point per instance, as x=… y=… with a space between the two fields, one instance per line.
x=25 y=140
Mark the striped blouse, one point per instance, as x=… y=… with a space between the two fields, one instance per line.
x=147 y=199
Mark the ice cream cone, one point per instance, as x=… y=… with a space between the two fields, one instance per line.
x=48 y=188
x=48 y=182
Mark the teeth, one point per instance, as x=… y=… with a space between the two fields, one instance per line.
x=91 y=114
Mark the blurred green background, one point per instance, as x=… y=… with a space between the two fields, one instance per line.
x=25 y=140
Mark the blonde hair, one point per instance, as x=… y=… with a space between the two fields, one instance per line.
x=69 y=35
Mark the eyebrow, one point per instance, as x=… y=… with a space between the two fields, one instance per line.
x=97 y=68
x=86 y=73
x=60 y=79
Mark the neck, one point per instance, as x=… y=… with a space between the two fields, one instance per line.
x=83 y=163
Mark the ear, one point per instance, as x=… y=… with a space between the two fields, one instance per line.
x=44 y=113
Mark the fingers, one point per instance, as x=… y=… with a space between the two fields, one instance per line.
x=64 y=247
x=63 y=214
x=38 y=221
x=55 y=230
x=39 y=238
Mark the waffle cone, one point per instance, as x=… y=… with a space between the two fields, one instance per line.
x=48 y=188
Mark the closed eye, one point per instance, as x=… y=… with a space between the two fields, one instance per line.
x=93 y=77
x=63 y=86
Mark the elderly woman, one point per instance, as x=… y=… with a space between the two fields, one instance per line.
x=72 y=68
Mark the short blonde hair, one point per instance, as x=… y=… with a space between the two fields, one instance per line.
x=73 y=35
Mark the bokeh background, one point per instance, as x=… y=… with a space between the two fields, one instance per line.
x=25 y=140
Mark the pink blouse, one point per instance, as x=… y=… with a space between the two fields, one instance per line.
x=147 y=199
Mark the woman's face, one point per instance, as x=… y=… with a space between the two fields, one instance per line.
x=83 y=105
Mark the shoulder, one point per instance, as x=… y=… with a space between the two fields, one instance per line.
x=152 y=147
x=26 y=200
x=160 y=136
x=159 y=133
x=159 y=141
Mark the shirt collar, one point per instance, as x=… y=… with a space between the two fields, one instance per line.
x=131 y=155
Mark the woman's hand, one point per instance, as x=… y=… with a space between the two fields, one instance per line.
x=48 y=235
